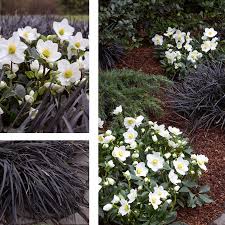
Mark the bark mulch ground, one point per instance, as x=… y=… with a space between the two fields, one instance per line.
x=141 y=59
x=209 y=142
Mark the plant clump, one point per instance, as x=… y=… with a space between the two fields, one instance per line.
x=37 y=70
x=146 y=171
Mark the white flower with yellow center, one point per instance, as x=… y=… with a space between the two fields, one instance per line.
x=129 y=122
x=154 y=200
x=68 y=73
x=155 y=161
x=157 y=39
x=181 y=165
x=141 y=170
x=206 y=46
x=159 y=190
x=132 y=195
x=63 y=29
x=28 y=33
x=174 y=178
x=12 y=50
x=101 y=139
x=194 y=56
x=130 y=136
x=120 y=153
x=210 y=32
x=124 y=208
x=201 y=161
x=76 y=43
x=48 y=50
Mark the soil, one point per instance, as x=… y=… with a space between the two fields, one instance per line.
x=209 y=142
x=141 y=59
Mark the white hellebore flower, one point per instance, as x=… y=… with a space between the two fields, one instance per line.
x=77 y=43
x=110 y=181
x=210 y=32
x=1 y=111
x=154 y=138
x=170 y=31
x=63 y=29
x=132 y=195
x=157 y=39
x=181 y=165
x=107 y=207
x=206 y=46
x=155 y=161
x=84 y=61
x=48 y=50
x=101 y=139
x=174 y=130
x=154 y=199
x=3 y=84
x=139 y=120
x=201 y=160
x=130 y=136
x=141 y=170
x=124 y=208
x=121 y=153
x=28 y=33
x=159 y=190
x=174 y=178
x=33 y=113
x=29 y=98
x=179 y=36
x=127 y=174
x=110 y=164
x=12 y=50
x=116 y=199
x=117 y=110
x=100 y=123
x=194 y=56
x=35 y=66
x=69 y=73
x=129 y=122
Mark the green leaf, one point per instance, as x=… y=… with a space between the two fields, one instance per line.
x=30 y=74
x=204 y=189
x=185 y=190
x=205 y=198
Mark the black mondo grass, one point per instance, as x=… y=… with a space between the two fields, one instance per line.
x=44 y=180
x=43 y=23
x=201 y=96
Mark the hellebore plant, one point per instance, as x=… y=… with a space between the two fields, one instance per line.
x=179 y=51
x=32 y=65
x=146 y=171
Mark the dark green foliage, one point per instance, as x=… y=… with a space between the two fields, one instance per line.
x=201 y=96
x=135 y=91
x=9 y=24
x=61 y=113
x=75 y=6
x=44 y=180
x=109 y=55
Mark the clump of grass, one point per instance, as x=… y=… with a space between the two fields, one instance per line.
x=135 y=91
x=43 y=179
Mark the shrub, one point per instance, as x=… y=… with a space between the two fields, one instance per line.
x=75 y=6
x=146 y=172
x=43 y=81
x=135 y=91
x=179 y=51
x=42 y=179
x=200 y=97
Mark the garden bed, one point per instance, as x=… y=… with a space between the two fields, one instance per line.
x=209 y=142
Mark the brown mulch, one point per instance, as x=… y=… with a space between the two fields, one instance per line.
x=141 y=59
x=208 y=142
